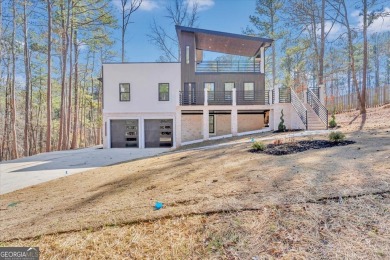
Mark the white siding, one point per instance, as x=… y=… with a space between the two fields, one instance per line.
x=144 y=79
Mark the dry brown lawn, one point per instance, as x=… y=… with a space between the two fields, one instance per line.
x=219 y=203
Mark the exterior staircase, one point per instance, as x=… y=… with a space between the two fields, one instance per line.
x=310 y=110
x=313 y=121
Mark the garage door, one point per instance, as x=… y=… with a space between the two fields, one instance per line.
x=158 y=133
x=124 y=133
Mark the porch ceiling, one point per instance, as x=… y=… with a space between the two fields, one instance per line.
x=228 y=43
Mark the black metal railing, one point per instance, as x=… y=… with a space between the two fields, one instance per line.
x=317 y=106
x=223 y=66
x=285 y=95
x=266 y=97
x=194 y=98
x=250 y=98
x=220 y=97
x=299 y=107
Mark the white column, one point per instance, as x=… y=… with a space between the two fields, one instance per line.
x=276 y=88
x=205 y=124
x=234 y=97
x=234 y=122
x=205 y=97
x=262 y=60
x=322 y=94
x=177 y=130
x=270 y=97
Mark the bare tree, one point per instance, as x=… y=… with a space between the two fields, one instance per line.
x=128 y=7
x=28 y=84
x=48 y=95
x=179 y=13
x=13 y=100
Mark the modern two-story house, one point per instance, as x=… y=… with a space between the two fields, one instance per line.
x=156 y=104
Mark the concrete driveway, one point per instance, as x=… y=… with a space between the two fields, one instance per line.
x=24 y=172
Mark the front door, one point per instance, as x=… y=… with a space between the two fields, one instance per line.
x=189 y=97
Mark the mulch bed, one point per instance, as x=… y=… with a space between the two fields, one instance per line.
x=301 y=146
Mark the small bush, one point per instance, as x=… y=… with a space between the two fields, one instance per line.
x=336 y=136
x=332 y=123
x=258 y=146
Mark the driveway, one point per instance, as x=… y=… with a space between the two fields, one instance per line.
x=24 y=172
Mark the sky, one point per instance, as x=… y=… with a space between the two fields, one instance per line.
x=220 y=15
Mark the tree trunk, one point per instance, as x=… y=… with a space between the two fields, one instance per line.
x=64 y=55
x=69 y=88
x=76 y=94
x=48 y=95
x=322 y=46
x=27 y=72
x=365 y=60
x=13 y=100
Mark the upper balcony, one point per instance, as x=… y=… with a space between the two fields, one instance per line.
x=228 y=67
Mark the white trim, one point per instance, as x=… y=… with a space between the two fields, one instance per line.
x=266 y=129
x=193 y=142
x=220 y=137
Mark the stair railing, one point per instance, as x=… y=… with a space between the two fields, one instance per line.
x=299 y=108
x=317 y=106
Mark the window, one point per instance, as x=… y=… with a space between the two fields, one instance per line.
x=187 y=54
x=210 y=88
x=124 y=91
x=249 y=91
x=229 y=86
x=211 y=124
x=163 y=92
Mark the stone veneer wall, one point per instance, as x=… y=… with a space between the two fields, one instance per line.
x=191 y=127
x=223 y=124
x=248 y=123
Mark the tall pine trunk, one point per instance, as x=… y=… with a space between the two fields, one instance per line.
x=48 y=95
x=76 y=94
x=13 y=100
x=26 y=143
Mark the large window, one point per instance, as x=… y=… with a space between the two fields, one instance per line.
x=210 y=86
x=124 y=91
x=249 y=91
x=229 y=86
x=163 y=92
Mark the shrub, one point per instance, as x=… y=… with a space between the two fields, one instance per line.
x=258 y=146
x=281 y=126
x=336 y=136
x=278 y=142
x=332 y=123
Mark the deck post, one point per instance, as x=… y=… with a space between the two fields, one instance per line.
x=262 y=60
x=234 y=97
x=206 y=97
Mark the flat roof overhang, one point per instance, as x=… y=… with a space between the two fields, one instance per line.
x=229 y=43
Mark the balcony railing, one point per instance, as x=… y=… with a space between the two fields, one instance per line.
x=284 y=95
x=191 y=98
x=251 y=98
x=227 y=67
x=220 y=97
x=228 y=98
